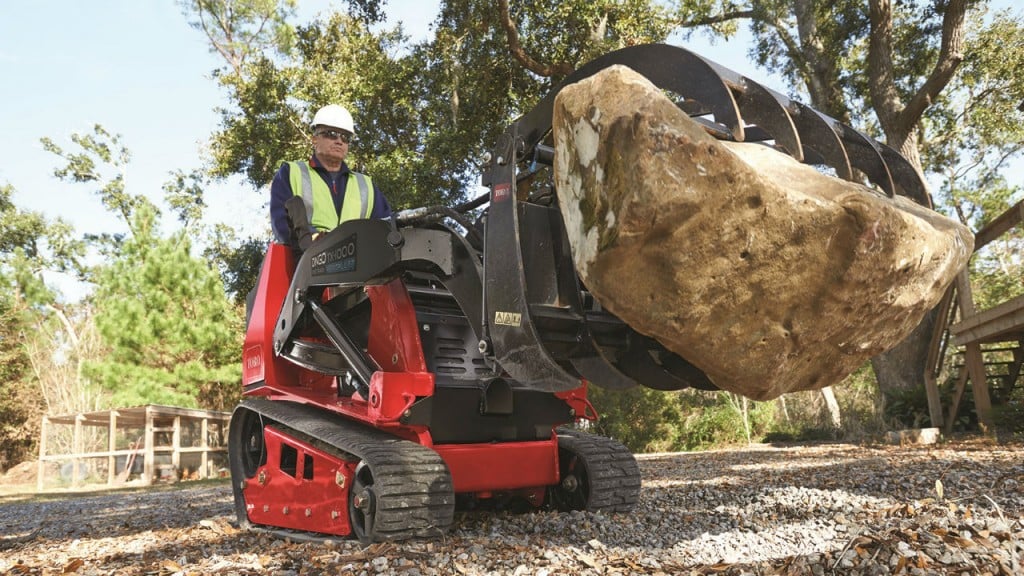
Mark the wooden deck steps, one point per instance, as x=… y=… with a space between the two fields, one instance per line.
x=991 y=341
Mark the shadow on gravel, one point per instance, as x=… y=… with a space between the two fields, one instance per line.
x=65 y=517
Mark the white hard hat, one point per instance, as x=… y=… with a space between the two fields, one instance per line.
x=334 y=116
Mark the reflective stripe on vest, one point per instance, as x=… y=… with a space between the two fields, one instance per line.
x=316 y=195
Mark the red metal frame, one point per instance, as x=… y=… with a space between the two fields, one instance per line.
x=501 y=466
x=395 y=345
x=313 y=499
x=578 y=401
x=258 y=363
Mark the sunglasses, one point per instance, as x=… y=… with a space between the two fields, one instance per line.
x=335 y=135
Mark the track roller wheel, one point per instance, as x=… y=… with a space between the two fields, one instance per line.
x=598 y=474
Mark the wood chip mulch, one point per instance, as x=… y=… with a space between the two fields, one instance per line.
x=956 y=508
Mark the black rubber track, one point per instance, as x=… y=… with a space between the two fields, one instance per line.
x=413 y=487
x=613 y=475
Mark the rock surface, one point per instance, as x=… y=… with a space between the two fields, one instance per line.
x=765 y=273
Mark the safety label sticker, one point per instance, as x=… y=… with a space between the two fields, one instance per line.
x=508 y=318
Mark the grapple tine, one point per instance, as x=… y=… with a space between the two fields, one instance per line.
x=817 y=134
x=670 y=68
x=865 y=156
x=907 y=179
x=764 y=108
x=694 y=78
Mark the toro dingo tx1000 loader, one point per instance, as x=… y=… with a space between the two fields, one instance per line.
x=393 y=368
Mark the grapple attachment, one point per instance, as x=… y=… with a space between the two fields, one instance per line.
x=540 y=322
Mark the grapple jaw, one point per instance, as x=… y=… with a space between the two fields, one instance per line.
x=538 y=321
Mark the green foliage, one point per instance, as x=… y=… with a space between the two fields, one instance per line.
x=239 y=29
x=30 y=244
x=644 y=420
x=334 y=61
x=239 y=261
x=982 y=131
x=173 y=336
x=717 y=419
x=19 y=400
x=977 y=124
x=425 y=113
x=37 y=340
x=97 y=155
x=184 y=194
x=648 y=420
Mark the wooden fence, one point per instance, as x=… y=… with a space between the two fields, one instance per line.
x=170 y=442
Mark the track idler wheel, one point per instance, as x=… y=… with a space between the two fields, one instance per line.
x=253 y=452
x=597 y=474
x=362 y=504
x=246 y=454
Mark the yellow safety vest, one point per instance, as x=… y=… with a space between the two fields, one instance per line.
x=316 y=195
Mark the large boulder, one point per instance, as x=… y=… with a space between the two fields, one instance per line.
x=765 y=273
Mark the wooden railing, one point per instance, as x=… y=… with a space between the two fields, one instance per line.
x=1001 y=323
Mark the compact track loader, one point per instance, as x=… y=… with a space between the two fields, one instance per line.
x=393 y=369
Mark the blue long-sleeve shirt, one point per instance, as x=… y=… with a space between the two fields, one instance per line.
x=281 y=191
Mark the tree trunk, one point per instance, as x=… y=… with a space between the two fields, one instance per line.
x=833 y=407
x=902 y=368
x=785 y=411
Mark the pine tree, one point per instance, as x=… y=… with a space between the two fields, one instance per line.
x=174 y=337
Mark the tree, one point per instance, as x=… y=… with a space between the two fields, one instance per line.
x=39 y=344
x=425 y=113
x=239 y=261
x=173 y=336
x=170 y=334
x=980 y=131
x=19 y=403
x=100 y=158
x=241 y=29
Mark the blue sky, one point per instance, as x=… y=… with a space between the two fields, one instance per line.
x=137 y=68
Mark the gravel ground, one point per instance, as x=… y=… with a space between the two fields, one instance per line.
x=822 y=509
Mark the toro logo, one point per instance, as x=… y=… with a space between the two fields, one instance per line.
x=252 y=364
x=502 y=192
x=340 y=257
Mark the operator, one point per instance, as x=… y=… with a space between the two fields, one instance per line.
x=330 y=192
